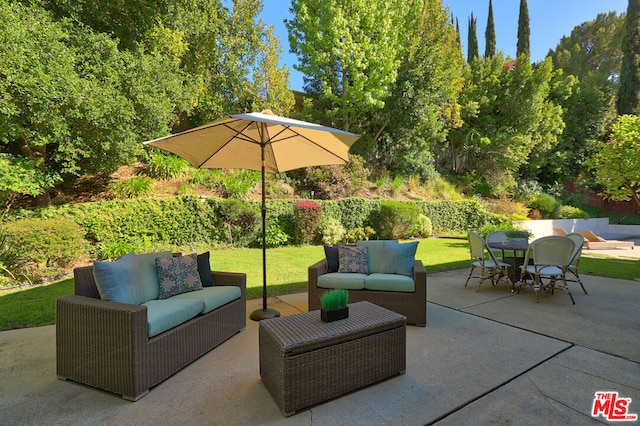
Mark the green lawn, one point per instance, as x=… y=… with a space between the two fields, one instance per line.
x=286 y=273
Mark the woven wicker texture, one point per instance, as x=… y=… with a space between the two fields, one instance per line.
x=304 y=361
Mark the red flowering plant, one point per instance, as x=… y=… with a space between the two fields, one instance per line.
x=307 y=220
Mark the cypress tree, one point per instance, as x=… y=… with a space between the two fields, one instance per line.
x=629 y=70
x=490 y=35
x=524 y=32
x=472 y=49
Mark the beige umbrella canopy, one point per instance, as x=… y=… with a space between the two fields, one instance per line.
x=260 y=141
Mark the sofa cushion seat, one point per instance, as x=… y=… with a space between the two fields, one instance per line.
x=390 y=282
x=164 y=314
x=212 y=297
x=346 y=281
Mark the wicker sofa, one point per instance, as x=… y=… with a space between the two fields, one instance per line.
x=106 y=344
x=378 y=287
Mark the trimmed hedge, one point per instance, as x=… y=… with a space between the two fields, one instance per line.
x=114 y=227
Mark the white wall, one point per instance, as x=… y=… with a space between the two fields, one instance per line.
x=544 y=227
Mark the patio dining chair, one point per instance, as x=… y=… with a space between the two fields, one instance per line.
x=489 y=268
x=496 y=237
x=578 y=239
x=549 y=258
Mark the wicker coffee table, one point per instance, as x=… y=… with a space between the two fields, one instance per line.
x=305 y=361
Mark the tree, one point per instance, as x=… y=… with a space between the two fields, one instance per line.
x=423 y=102
x=507 y=119
x=593 y=50
x=472 y=40
x=490 y=35
x=349 y=53
x=629 y=89
x=616 y=164
x=524 y=31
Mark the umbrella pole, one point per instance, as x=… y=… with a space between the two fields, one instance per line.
x=264 y=313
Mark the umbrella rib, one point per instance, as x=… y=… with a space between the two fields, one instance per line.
x=305 y=138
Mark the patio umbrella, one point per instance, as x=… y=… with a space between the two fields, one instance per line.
x=260 y=141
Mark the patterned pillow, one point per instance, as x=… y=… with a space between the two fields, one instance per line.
x=353 y=259
x=178 y=275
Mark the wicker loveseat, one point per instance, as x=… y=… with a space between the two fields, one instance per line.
x=107 y=344
x=404 y=293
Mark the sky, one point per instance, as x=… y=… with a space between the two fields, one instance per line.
x=549 y=20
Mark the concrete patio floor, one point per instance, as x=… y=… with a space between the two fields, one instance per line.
x=491 y=357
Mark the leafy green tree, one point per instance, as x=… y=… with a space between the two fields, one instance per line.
x=70 y=102
x=629 y=89
x=592 y=50
x=617 y=161
x=490 y=35
x=524 y=31
x=472 y=40
x=507 y=119
x=17 y=177
x=348 y=51
x=423 y=102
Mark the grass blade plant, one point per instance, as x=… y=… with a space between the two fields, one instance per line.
x=334 y=299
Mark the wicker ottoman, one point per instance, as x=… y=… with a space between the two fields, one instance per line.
x=304 y=361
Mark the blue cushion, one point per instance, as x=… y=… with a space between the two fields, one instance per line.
x=390 y=282
x=204 y=269
x=213 y=297
x=178 y=275
x=375 y=254
x=119 y=281
x=399 y=258
x=165 y=314
x=149 y=274
x=353 y=260
x=344 y=281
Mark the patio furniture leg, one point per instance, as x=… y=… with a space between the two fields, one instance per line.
x=470 y=272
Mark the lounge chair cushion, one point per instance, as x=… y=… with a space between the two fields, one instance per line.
x=164 y=314
x=119 y=281
x=353 y=260
x=350 y=281
x=149 y=273
x=398 y=258
x=390 y=282
x=212 y=297
x=178 y=275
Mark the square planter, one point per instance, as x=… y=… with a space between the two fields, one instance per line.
x=334 y=314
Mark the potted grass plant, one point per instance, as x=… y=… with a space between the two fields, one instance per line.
x=516 y=236
x=334 y=305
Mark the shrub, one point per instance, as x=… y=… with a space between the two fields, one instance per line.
x=396 y=219
x=167 y=166
x=422 y=227
x=570 y=212
x=359 y=234
x=241 y=222
x=323 y=182
x=11 y=262
x=240 y=184
x=50 y=246
x=332 y=231
x=307 y=221
x=547 y=204
x=274 y=235
x=135 y=186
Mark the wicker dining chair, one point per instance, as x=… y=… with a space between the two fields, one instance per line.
x=578 y=239
x=548 y=257
x=490 y=268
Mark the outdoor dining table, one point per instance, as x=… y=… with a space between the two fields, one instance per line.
x=518 y=251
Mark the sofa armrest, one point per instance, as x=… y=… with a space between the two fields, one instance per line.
x=98 y=342
x=420 y=280
x=315 y=270
x=237 y=279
